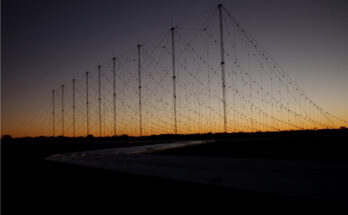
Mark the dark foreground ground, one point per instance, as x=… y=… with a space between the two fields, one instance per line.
x=32 y=185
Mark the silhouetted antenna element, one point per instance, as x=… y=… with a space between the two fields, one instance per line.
x=223 y=66
x=87 y=113
x=99 y=99
x=63 y=110
x=114 y=89
x=139 y=76
x=53 y=113
x=174 y=79
x=73 y=94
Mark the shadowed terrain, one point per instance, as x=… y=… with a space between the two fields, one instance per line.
x=32 y=184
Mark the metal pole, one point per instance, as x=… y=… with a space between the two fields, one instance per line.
x=73 y=82
x=99 y=99
x=174 y=79
x=223 y=66
x=53 y=113
x=139 y=75
x=114 y=94
x=87 y=113
x=63 y=110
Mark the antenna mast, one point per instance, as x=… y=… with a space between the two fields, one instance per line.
x=174 y=79
x=139 y=75
x=99 y=99
x=87 y=113
x=53 y=112
x=114 y=94
x=223 y=66
x=73 y=82
x=63 y=110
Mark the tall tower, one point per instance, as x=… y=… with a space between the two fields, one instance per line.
x=114 y=90
x=139 y=77
x=223 y=66
x=174 y=79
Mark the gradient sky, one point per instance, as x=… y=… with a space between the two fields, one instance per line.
x=46 y=43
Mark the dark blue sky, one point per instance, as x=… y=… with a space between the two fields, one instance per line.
x=46 y=43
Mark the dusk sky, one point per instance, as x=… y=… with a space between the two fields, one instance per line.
x=47 y=43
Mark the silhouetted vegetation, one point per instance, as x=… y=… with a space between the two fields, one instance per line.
x=6 y=136
x=171 y=137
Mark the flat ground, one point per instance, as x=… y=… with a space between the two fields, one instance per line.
x=32 y=184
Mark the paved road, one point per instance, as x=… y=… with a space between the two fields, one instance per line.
x=311 y=179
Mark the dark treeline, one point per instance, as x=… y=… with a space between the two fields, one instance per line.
x=45 y=146
x=172 y=137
